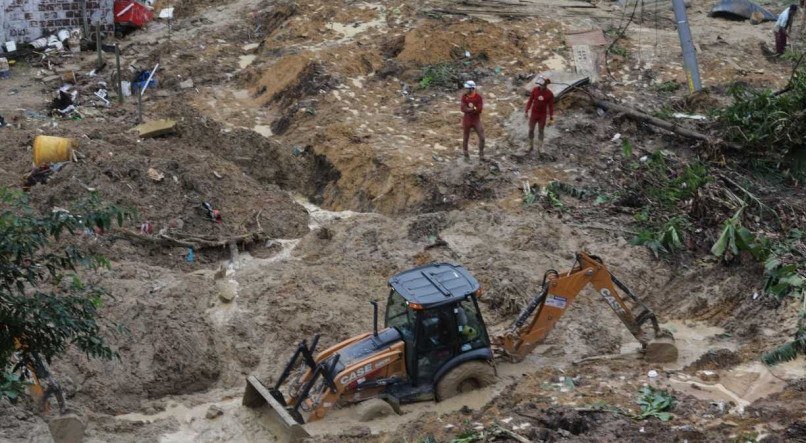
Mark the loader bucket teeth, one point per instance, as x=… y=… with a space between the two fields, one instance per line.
x=287 y=428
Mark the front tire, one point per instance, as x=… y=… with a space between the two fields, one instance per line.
x=465 y=378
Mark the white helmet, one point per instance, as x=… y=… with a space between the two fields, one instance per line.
x=470 y=84
x=540 y=80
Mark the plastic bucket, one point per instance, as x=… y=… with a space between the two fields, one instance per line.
x=48 y=149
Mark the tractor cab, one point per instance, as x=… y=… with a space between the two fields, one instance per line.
x=435 y=310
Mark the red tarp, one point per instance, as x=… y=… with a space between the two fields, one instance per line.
x=133 y=13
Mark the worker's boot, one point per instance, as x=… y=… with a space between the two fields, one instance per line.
x=531 y=145
x=466 y=154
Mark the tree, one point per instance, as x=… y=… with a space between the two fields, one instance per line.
x=45 y=307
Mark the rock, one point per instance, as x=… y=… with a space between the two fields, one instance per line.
x=155 y=175
x=227 y=290
x=250 y=47
x=214 y=412
x=156 y=128
x=176 y=223
x=357 y=432
x=708 y=376
x=67 y=429
x=187 y=84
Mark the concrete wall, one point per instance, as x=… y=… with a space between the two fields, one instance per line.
x=26 y=20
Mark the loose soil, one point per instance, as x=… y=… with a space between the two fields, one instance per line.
x=306 y=124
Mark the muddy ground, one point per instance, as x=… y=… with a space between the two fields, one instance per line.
x=306 y=125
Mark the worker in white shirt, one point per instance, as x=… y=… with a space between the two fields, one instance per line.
x=782 y=27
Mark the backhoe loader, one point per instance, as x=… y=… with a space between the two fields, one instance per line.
x=435 y=344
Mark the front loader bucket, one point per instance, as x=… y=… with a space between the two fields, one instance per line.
x=257 y=395
x=661 y=349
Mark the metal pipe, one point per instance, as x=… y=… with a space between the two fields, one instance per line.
x=120 y=80
x=687 y=44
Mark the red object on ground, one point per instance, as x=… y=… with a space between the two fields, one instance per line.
x=132 y=13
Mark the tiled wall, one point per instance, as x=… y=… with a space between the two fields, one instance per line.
x=26 y=20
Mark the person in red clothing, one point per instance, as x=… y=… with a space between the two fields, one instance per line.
x=472 y=105
x=540 y=100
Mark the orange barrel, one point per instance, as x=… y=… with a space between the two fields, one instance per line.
x=48 y=149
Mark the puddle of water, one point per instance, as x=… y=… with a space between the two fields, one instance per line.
x=743 y=384
x=246 y=60
x=318 y=217
x=693 y=339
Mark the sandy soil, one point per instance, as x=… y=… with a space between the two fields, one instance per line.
x=306 y=123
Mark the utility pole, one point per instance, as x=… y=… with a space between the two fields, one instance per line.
x=120 y=79
x=686 y=43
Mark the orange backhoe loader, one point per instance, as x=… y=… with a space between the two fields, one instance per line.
x=435 y=344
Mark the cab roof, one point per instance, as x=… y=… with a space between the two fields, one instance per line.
x=434 y=284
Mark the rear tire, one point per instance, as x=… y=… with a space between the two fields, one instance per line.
x=465 y=378
x=373 y=408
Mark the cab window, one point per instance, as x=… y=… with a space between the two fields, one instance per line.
x=399 y=315
x=470 y=328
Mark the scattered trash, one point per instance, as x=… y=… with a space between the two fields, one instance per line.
x=643 y=159
x=652 y=374
x=49 y=150
x=190 y=256
x=146 y=228
x=689 y=116
x=155 y=175
x=102 y=93
x=41 y=174
x=616 y=137
x=467 y=54
x=217 y=175
x=166 y=13
x=65 y=100
x=740 y=9
x=2 y=121
x=296 y=151
x=5 y=70
x=156 y=128
x=131 y=15
x=141 y=81
x=214 y=214
x=11 y=46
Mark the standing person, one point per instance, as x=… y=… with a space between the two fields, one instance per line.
x=472 y=105
x=540 y=100
x=783 y=26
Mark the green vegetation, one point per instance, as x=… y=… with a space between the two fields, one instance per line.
x=655 y=403
x=769 y=127
x=735 y=238
x=445 y=75
x=665 y=239
x=43 y=302
x=619 y=50
x=667 y=87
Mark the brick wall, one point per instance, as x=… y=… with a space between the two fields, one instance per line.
x=27 y=20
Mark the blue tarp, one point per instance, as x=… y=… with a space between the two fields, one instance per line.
x=740 y=10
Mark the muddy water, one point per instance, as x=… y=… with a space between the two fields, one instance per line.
x=741 y=385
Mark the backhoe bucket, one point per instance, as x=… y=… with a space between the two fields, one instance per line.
x=661 y=349
x=287 y=429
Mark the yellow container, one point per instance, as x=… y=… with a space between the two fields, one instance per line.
x=49 y=149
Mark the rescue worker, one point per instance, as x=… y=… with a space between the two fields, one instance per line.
x=471 y=107
x=541 y=105
x=782 y=27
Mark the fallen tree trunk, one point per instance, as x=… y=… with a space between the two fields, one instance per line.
x=663 y=124
x=192 y=242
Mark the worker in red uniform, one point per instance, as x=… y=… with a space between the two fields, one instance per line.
x=540 y=100
x=472 y=105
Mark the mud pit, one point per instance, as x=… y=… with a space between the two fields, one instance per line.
x=318 y=102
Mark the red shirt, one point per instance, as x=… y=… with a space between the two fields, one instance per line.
x=539 y=100
x=472 y=114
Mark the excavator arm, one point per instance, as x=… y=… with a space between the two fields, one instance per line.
x=558 y=291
